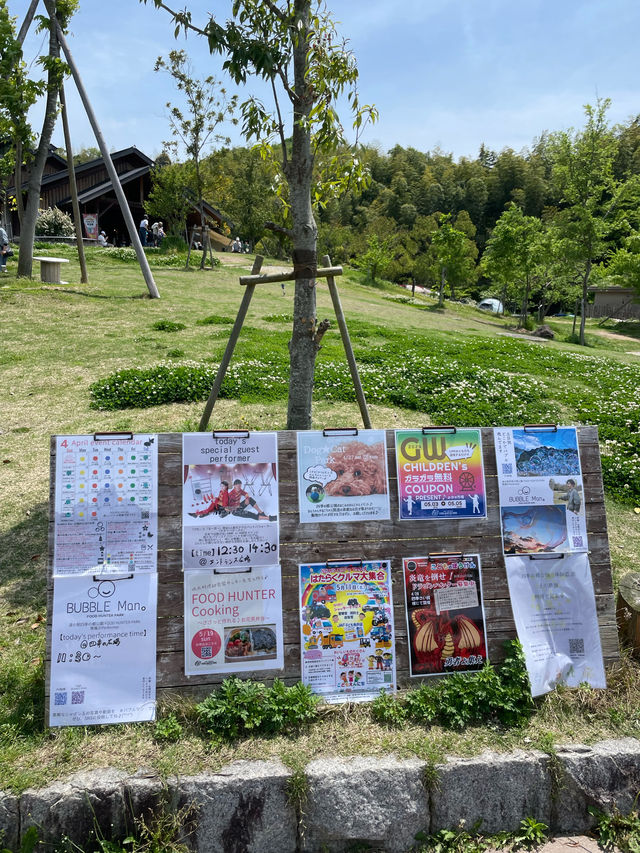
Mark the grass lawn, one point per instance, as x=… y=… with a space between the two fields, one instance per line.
x=420 y=364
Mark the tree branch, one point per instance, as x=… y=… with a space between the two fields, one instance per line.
x=321 y=329
x=283 y=141
x=279 y=229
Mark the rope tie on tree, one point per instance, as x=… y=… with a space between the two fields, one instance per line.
x=305 y=263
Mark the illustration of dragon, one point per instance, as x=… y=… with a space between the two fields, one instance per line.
x=443 y=632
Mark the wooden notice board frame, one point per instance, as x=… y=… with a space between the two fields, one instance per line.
x=393 y=539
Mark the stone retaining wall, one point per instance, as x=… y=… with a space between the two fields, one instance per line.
x=248 y=807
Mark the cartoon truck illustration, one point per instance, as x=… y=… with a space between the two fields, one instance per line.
x=332 y=641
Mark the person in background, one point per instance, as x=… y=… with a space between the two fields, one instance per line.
x=4 y=249
x=154 y=233
x=161 y=234
x=102 y=239
x=144 y=230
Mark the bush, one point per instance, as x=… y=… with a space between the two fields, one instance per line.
x=465 y=699
x=167 y=326
x=214 y=319
x=241 y=708
x=54 y=223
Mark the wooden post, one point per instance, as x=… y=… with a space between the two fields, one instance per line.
x=84 y=278
x=113 y=175
x=346 y=341
x=233 y=338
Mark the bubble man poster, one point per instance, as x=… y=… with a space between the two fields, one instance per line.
x=440 y=474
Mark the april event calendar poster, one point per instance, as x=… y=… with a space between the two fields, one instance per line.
x=554 y=609
x=346 y=629
x=230 y=500
x=445 y=615
x=103 y=650
x=541 y=490
x=106 y=504
x=342 y=475
x=233 y=622
x=440 y=474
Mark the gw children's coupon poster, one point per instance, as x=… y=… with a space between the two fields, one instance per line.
x=541 y=490
x=342 y=475
x=106 y=504
x=346 y=629
x=445 y=614
x=229 y=500
x=233 y=622
x=440 y=474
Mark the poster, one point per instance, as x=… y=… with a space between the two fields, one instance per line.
x=445 y=615
x=106 y=504
x=554 y=609
x=91 y=225
x=440 y=474
x=541 y=491
x=103 y=650
x=233 y=622
x=346 y=629
x=342 y=475
x=230 y=500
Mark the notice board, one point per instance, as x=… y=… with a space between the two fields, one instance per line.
x=389 y=539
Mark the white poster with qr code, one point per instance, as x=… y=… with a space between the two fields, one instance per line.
x=103 y=650
x=542 y=500
x=554 y=609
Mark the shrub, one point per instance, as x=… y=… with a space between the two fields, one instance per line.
x=168 y=729
x=240 y=708
x=54 y=223
x=214 y=319
x=167 y=326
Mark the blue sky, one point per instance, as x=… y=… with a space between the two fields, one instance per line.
x=448 y=73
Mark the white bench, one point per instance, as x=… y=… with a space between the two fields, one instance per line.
x=50 y=269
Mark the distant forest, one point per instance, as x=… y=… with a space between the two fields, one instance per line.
x=540 y=219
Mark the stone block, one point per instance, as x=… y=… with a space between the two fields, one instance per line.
x=381 y=802
x=242 y=809
x=494 y=790
x=604 y=776
x=9 y=823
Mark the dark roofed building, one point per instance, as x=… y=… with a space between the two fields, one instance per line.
x=96 y=194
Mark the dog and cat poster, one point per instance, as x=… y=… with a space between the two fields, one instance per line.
x=342 y=475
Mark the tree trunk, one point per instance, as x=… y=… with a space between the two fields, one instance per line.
x=583 y=303
x=525 y=305
x=443 y=274
x=28 y=228
x=18 y=182
x=304 y=343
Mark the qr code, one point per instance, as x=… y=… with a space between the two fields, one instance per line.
x=144 y=513
x=507 y=468
x=206 y=652
x=60 y=698
x=77 y=697
x=577 y=541
x=576 y=646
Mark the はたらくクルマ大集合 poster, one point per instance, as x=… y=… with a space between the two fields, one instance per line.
x=342 y=475
x=346 y=629
x=230 y=500
x=440 y=473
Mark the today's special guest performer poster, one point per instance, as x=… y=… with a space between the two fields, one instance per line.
x=541 y=490
x=346 y=629
x=233 y=622
x=106 y=504
x=445 y=614
x=342 y=475
x=103 y=650
x=440 y=473
x=230 y=500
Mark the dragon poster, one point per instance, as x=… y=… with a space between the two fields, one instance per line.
x=440 y=473
x=541 y=490
x=342 y=475
x=445 y=614
x=346 y=629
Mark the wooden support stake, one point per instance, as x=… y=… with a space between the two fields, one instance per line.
x=270 y=278
x=233 y=339
x=111 y=170
x=344 y=333
x=73 y=187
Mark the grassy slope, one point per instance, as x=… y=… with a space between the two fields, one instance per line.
x=57 y=340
